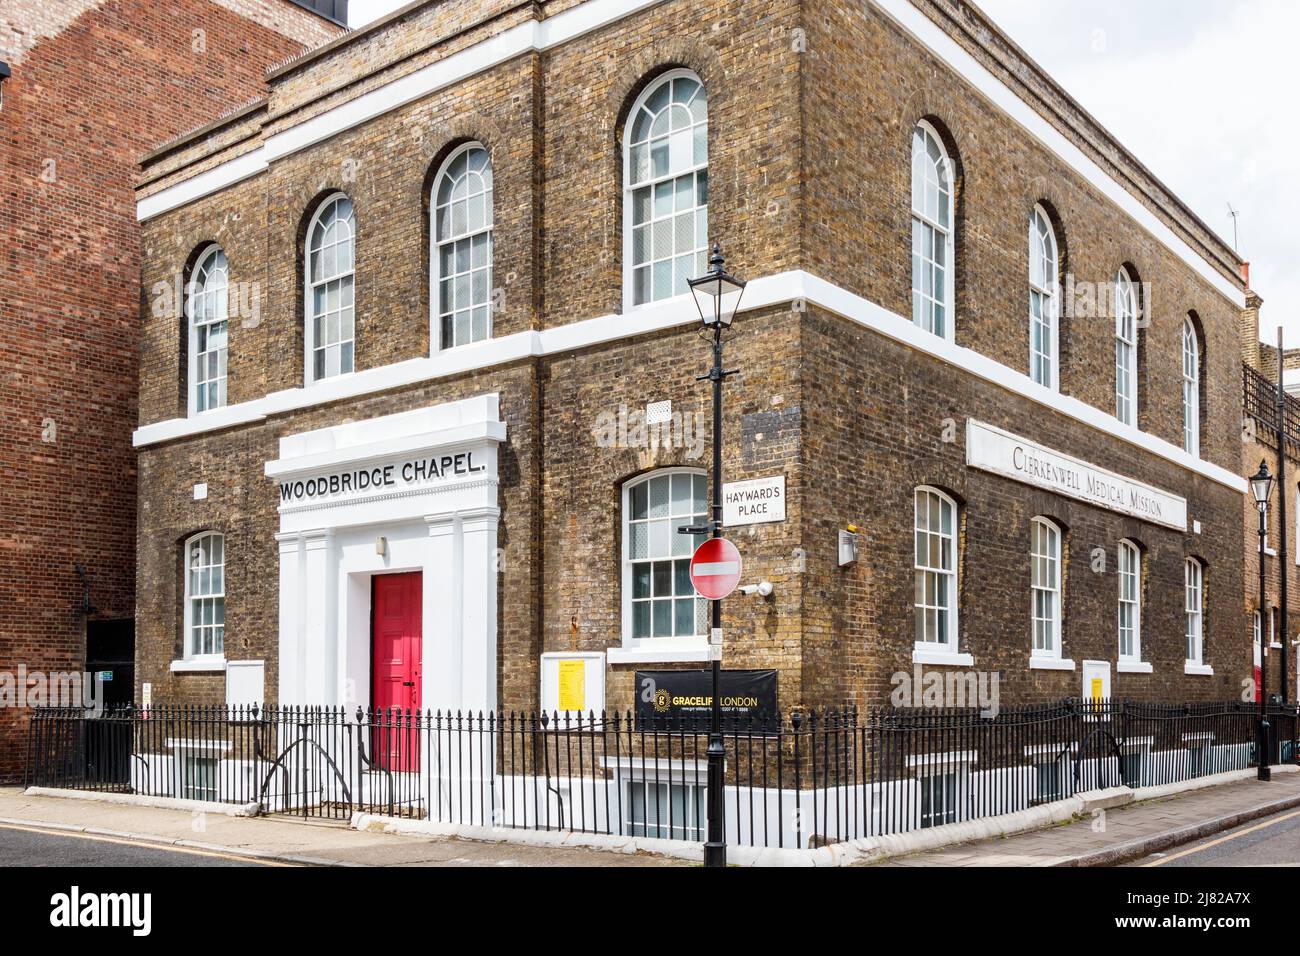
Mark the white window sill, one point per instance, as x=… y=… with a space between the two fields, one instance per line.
x=1270 y=552
x=934 y=655
x=199 y=665
x=656 y=655
x=1051 y=664
x=1133 y=667
x=1201 y=670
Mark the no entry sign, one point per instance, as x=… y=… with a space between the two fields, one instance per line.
x=715 y=568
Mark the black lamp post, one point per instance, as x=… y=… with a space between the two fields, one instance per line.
x=1261 y=484
x=717 y=296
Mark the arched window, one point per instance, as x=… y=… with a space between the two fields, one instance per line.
x=666 y=180
x=1045 y=587
x=659 y=601
x=1130 y=602
x=205 y=595
x=1126 y=349
x=331 y=252
x=208 y=310
x=935 y=569
x=461 y=207
x=1191 y=389
x=1044 y=301
x=1193 y=577
x=932 y=226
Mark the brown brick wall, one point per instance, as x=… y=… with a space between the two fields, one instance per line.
x=824 y=97
x=94 y=85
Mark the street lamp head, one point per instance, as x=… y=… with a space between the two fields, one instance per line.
x=1261 y=484
x=717 y=293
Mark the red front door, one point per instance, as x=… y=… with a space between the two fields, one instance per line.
x=396 y=641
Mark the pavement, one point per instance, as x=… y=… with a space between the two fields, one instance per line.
x=58 y=831
x=1133 y=832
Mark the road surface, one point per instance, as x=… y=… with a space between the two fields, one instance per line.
x=1270 y=841
x=30 y=846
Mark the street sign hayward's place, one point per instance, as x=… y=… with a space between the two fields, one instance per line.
x=755 y=501
x=1011 y=456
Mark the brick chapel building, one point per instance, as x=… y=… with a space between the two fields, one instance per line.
x=85 y=87
x=424 y=431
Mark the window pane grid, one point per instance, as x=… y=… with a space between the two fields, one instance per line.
x=1130 y=571
x=935 y=568
x=667 y=176
x=1045 y=586
x=1194 y=598
x=931 y=233
x=663 y=600
x=463 y=220
x=1043 y=301
x=1191 y=389
x=209 y=314
x=330 y=294
x=205 y=590
x=1125 y=351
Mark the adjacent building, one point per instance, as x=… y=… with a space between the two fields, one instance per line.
x=419 y=409
x=85 y=87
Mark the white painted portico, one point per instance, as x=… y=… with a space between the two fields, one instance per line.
x=425 y=481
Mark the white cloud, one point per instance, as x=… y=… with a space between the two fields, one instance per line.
x=1202 y=92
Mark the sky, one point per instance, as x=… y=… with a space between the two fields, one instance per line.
x=1201 y=91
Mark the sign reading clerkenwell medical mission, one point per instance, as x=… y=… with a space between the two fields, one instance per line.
x=1011 y=456
x=370 y=479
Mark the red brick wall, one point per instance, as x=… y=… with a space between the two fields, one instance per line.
x=94 y=86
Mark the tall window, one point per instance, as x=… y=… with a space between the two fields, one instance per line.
x=1126 y=326
x=935 y=567
x=666 y=178
x=1045 y=586
x=462 y=231
x=331 y=251
x=932 y=242
x=1130 y=602
x=1194 y=576
x=1044 y=302
x=659 y=601
x=205 y=595
x=1191 y=389
x=208 y=310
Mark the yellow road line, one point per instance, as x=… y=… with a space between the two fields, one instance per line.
x=146 y=844
x=1222 y=839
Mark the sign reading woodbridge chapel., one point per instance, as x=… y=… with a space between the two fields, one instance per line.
x=1002 y=453
x=392 y=476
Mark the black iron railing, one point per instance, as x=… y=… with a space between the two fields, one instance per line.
x=1259 y=399
x=808 y=780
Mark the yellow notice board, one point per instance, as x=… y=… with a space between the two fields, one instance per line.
x=1097 y=692
x=573 y=684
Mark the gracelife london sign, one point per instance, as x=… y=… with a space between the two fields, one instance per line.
x=1008 y=455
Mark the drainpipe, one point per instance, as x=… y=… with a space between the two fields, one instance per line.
x=1284 y=628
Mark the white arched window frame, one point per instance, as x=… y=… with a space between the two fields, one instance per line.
x=460 y=210
x=1194 y=605
x=1191 y=389
x=1126 y=349
x=1130 y=602
x=1044 y=301
x=205 y=596
x=935 y=570
x=1045 y=587
x=661 y=610
x=329 y=336
x=208 y=311
x=666 y=189
x=932 y=233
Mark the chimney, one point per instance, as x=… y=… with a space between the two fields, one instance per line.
x=1249 y=328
